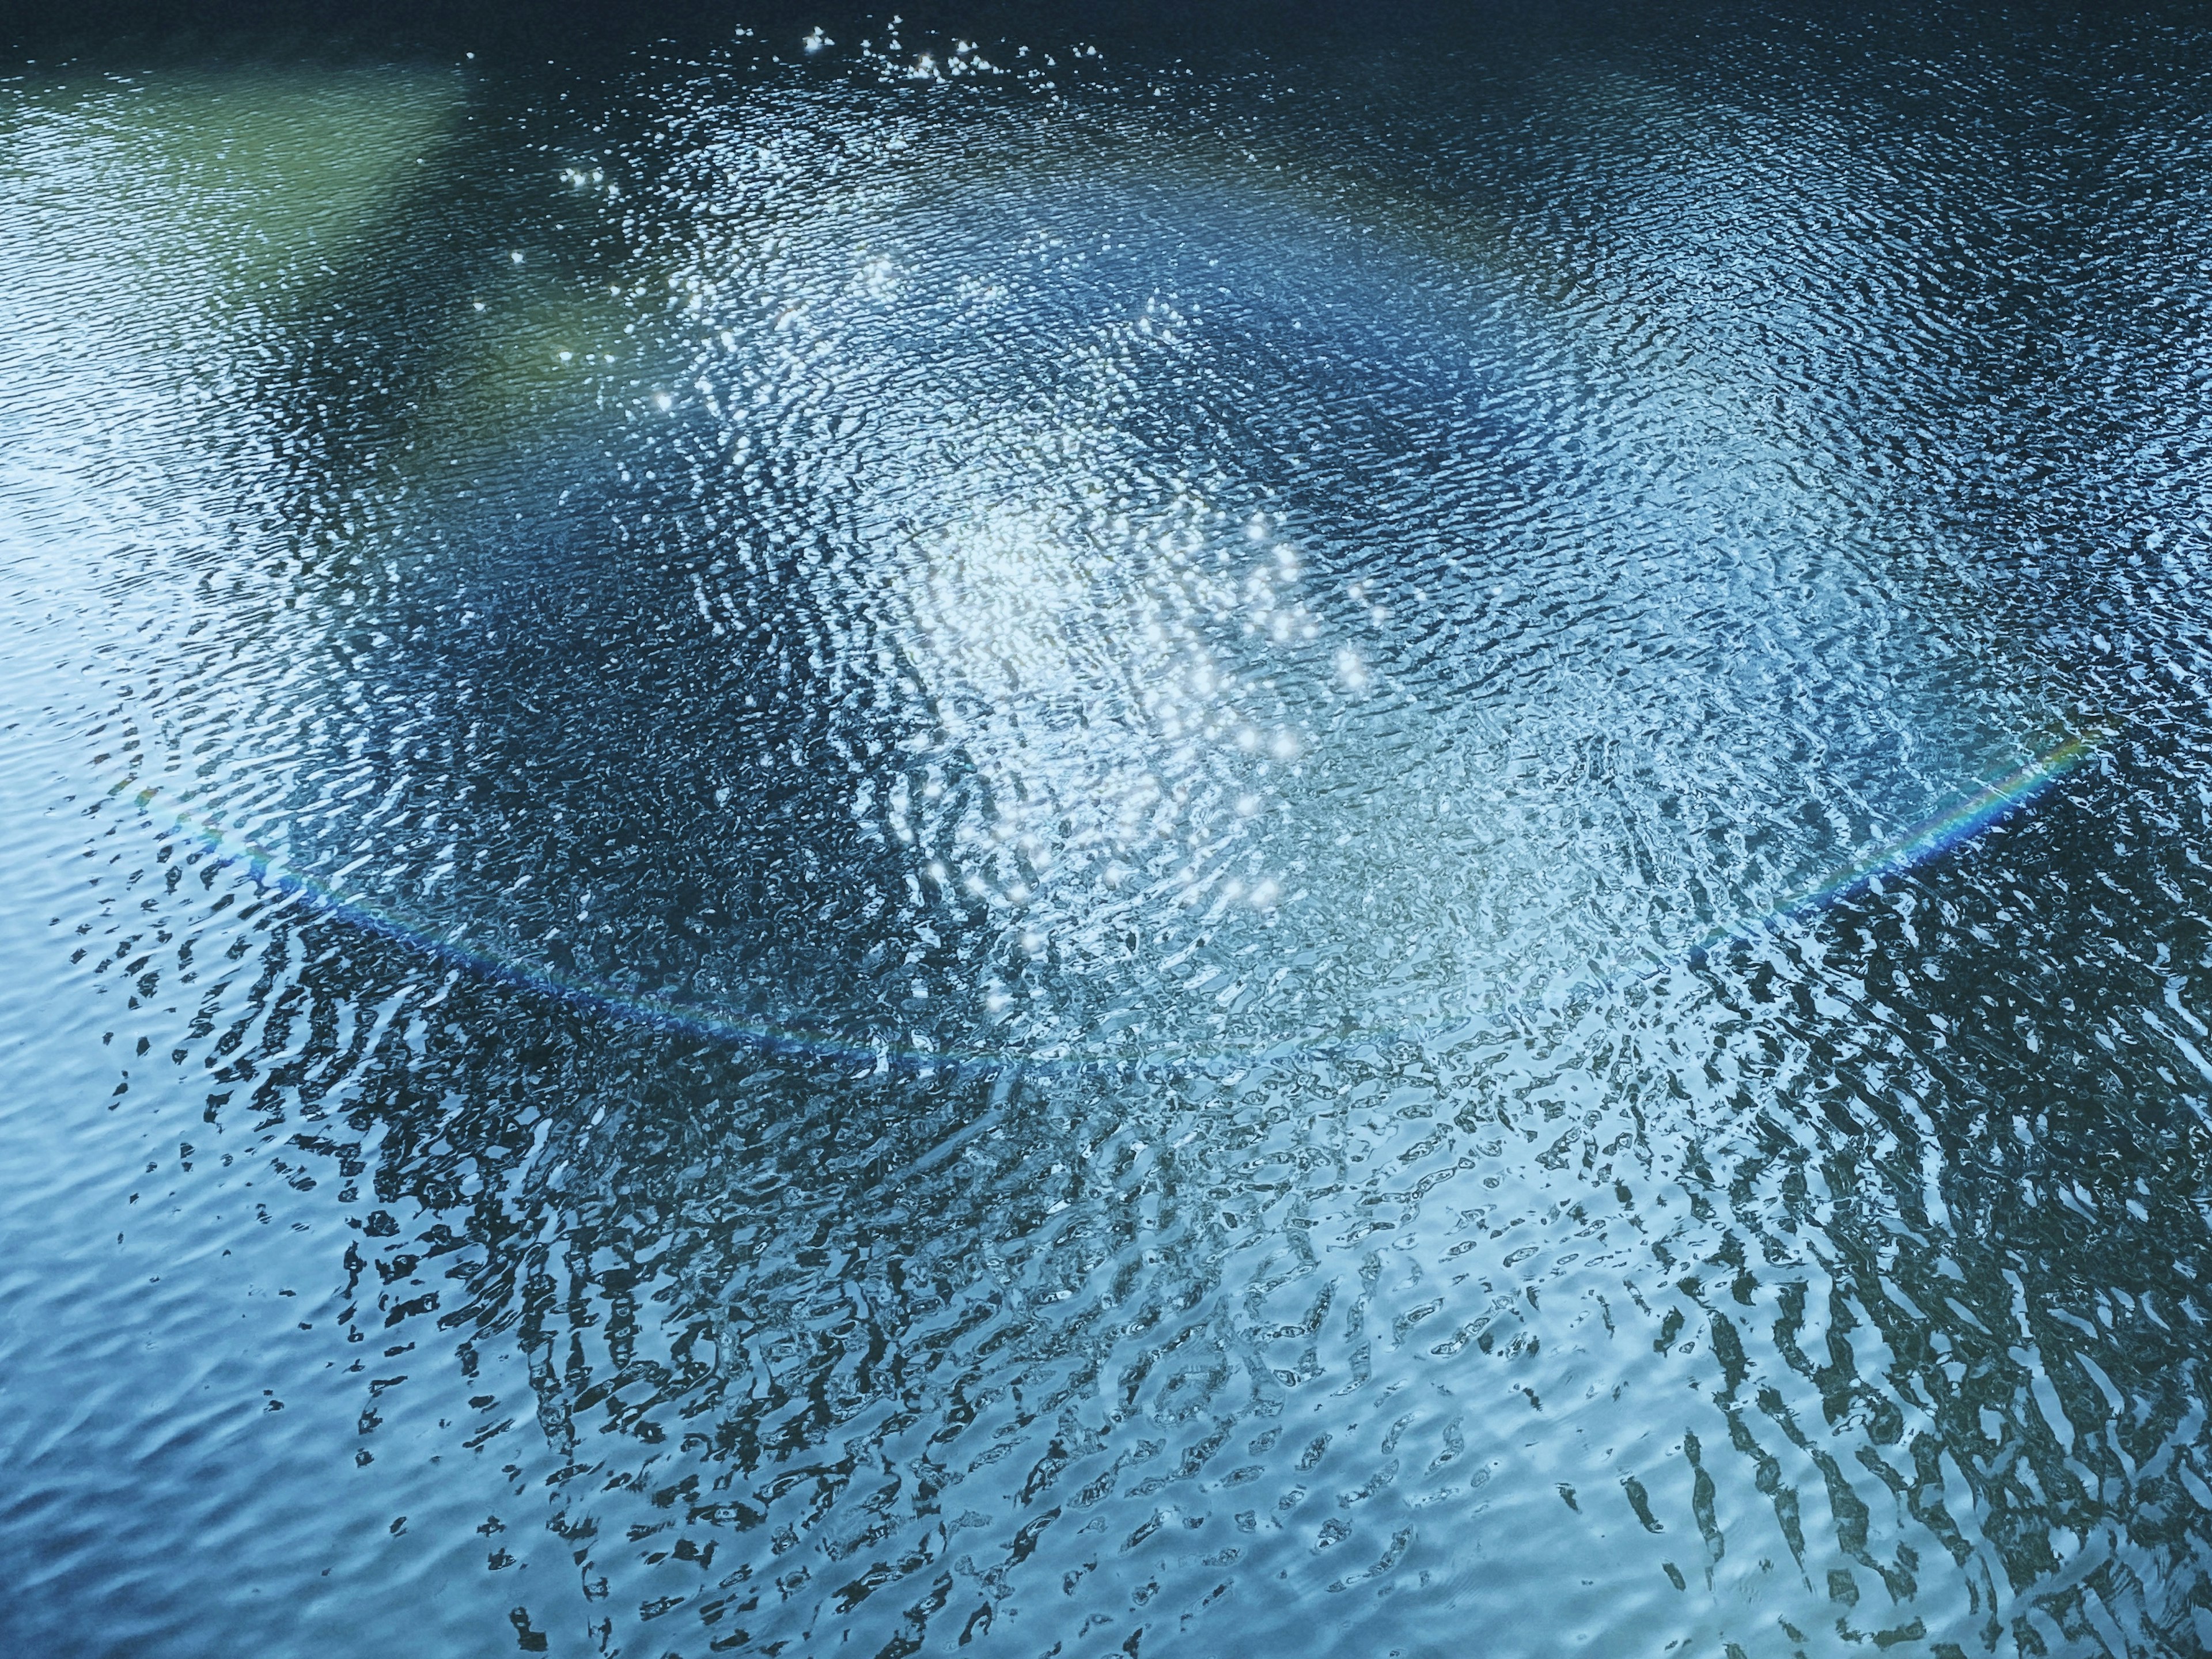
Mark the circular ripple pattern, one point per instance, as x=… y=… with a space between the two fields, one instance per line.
x=870 y=840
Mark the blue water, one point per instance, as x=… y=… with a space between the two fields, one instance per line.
x=1104 y=833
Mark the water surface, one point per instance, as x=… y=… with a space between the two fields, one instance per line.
x=1093 y=836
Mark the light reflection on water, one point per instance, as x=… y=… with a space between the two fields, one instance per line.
x=1196 y=664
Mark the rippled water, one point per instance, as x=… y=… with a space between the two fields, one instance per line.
x=1215 y=837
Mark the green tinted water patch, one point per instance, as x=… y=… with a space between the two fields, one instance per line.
x=221 y=190
x=169 y=227
x=311 y=233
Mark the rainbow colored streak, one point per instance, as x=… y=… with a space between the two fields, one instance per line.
x=1951 y=829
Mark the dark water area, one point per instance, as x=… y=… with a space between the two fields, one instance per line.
x=1106 y=831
